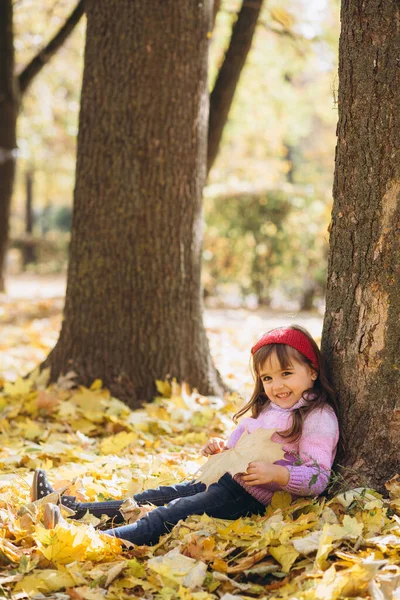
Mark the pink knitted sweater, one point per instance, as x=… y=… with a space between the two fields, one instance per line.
x=309 y=460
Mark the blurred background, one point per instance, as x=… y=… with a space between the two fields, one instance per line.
x=267 y=201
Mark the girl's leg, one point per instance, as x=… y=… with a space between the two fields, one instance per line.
x=225 y=500
x=109 y=508
x=158 y=497
x=166 y=493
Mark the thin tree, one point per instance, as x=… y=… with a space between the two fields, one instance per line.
x=12 y=89
x=8 y=124
x=361 y=332
x=223 y=92
x=133 y=311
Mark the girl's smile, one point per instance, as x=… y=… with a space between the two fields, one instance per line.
x=285 y=386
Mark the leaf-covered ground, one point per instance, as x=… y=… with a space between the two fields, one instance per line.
x=96 y=448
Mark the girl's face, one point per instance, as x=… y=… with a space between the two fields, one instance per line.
x=285 y=386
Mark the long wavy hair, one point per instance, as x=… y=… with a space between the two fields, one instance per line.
x=319 y=395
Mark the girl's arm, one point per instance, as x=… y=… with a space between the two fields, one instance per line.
x=317 y=449
x=262 y=473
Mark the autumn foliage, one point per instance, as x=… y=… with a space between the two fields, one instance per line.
x=96 y=448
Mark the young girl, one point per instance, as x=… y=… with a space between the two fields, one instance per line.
x=292 y=395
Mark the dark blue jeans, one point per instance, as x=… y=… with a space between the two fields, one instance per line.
x=223 y=500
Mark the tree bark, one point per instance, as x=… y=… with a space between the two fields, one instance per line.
x=8 y=120
x=361 y=334
x=228 y=77
x=133 y=311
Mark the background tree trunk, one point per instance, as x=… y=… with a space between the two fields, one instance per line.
x=133 y=311
x=29 y=246
x=362 y=327
x=11 y=89
x=229 y=74
x=8 y=120
x=41 y=59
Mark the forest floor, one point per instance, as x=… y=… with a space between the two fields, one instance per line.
x=30 y=319
x=94 y=447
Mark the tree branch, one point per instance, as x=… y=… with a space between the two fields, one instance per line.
x=26 y=76
x=225 y=85
x=217 y=6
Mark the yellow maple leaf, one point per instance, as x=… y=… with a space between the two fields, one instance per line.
x=10 y=551
x=31 y=429
x=353 y=582
x=20 y=387
x=102 y=546
x=96 y=385
x=331 y=533
x=164 y=388
x=281 y=500
x=92 y=403
x=179 y=569
x=250 y=447
x=350 y=529
x=325 y=547
x=68 y=543
x=46 y=580
x=373 y=518
x=63 y=544
x=304 y=523
x=117 y=443
x=285 y=554
x=83 y=426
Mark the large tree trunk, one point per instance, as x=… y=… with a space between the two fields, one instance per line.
x=8 y=120
x=133 y=308
x=362 y=327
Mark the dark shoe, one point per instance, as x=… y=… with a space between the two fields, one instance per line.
x=52 y=516
x=69 y=502
x=42 y=488
x=40 y=485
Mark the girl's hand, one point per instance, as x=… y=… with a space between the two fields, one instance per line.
x=214 y=446
x=259 y=473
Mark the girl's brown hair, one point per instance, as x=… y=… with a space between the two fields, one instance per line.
x=320 y=394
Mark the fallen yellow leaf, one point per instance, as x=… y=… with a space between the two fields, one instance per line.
x=115 y=444
x=179 y=569
x=285 y=555
x=45 y=581
x=20 y=387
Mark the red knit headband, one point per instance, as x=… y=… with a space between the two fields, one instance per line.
x=290 y=337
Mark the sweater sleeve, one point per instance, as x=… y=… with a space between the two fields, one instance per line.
x=317 y=447
x=235 y=435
